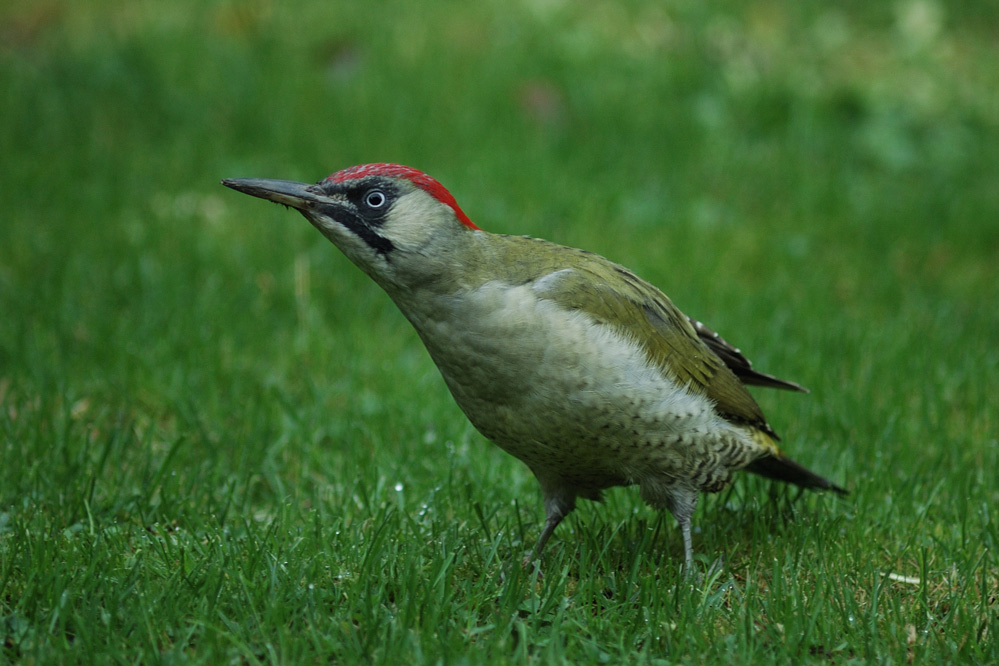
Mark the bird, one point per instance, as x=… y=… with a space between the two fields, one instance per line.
x=571 y=363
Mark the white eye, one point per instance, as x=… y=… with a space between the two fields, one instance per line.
x=375 y=199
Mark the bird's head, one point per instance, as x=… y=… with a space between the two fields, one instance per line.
x=388 y=219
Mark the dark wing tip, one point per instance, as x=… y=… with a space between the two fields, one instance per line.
x=738 y=363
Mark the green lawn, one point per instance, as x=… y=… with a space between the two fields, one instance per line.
x=222 y=444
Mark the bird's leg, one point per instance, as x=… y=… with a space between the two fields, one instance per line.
x=688 y=549
x=682 y=507
x=551 y=522
x=681 y=501
x=558 y=505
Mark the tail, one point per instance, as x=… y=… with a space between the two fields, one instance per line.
x=781 y=468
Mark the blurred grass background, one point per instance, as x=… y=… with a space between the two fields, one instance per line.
x=222 y=443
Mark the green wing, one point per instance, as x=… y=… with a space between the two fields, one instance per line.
x=616 y=297
x=687 y=352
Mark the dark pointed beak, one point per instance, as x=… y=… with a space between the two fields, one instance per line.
x=287 y=192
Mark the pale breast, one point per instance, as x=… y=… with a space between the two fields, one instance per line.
x=564 y=394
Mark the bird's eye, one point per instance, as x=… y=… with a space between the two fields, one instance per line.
x=375 y=199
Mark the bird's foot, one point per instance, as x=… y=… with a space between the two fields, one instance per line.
x=532 y=563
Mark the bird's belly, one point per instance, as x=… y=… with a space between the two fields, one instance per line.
x=568 y=396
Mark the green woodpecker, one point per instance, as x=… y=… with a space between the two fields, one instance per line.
x=567 y=361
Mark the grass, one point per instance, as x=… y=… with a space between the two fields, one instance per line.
x=221 y=443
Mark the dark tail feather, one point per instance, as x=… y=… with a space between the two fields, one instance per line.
x=784 y=469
